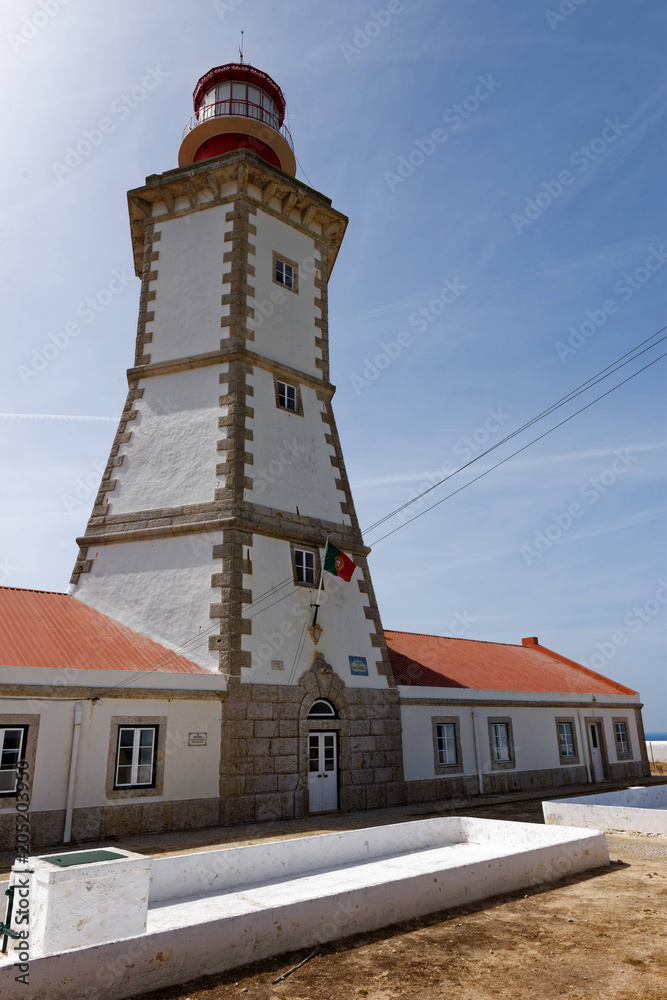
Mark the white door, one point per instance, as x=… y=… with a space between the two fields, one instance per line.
x=322 y=772
x=596 y=752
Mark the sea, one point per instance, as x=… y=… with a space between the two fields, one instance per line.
x=656 y=737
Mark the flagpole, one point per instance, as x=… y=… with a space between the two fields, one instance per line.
x=316 y=605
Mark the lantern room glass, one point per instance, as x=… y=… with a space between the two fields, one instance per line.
x=236 y=97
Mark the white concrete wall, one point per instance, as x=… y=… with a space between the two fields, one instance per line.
x=189 y=288
x=189 y=772
x=277 y=629
x=534 y=731
x=216 y=932
x=633 y=810
x=287 y=334
x=657 y=750
x=292 y=460
x=171 y=457
x=161 y=587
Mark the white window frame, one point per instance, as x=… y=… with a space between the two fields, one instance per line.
x=135 y=763
x=20 y=754
x=287 y=396
x=622 y=741
x=500 y=748
x=446 y=740
x=566 y=743
x=284 y=273
x=301 y=558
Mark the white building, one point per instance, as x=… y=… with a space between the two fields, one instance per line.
x=225 y=481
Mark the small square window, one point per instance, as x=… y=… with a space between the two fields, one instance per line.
x=622 y=741
x=304 y=567
x=446 y=737
x=287 y=396
x=136 y=757
x=12 y=751
x=566 y=737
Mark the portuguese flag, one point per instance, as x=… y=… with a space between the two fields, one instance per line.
x=337 y=563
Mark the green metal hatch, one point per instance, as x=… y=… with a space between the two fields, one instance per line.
x=82 y=858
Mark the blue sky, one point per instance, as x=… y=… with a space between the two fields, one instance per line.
x=561 y=107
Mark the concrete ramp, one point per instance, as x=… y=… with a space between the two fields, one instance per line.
x=212 y=911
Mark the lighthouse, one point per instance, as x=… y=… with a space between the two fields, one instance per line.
x=225 y=493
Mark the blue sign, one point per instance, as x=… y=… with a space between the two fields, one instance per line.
x=358 y=665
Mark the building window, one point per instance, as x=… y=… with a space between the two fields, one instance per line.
x=306 y=564
x=322 y=709
x=285 y=272
x=136 y=756
x=447 y=756
x=622 y=738
x=501 y=743
x=287 y=396
x=566 y=737
x=446 y=737
x=12 y=750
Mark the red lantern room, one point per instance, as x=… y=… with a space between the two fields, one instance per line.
x=238 y=106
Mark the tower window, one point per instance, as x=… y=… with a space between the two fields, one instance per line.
x=287 y=396
x=285 y=272
x=306 y=566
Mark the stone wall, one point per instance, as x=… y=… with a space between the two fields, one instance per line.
x=265 y=747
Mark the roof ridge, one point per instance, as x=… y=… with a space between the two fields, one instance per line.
x=34 y=590
x=456 y=638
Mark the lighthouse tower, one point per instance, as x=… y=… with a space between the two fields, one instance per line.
x=226 y=476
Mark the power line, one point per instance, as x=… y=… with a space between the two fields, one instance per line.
x=519 y=450
x=592 y=381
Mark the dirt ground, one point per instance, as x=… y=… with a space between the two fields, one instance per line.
x=598 y=936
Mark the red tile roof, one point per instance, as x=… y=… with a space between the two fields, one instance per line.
x=438 y=661
x=40 y=628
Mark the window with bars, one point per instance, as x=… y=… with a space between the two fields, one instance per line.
x=446 y=740
x=136 y=756
x=500 y=742
x=566 y=738
x=287 y=396
x=12 y=750
x=622 y=739
x=304 y=566
x=284 y=274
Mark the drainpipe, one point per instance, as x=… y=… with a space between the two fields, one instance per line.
x=584 y=746
x=480 y=775
x=78 y=715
